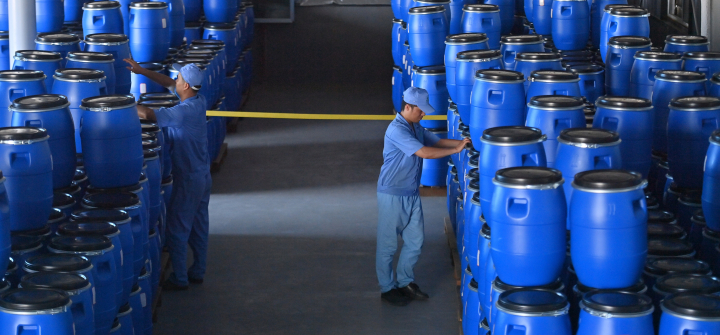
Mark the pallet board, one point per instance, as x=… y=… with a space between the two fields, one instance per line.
x=218 y=161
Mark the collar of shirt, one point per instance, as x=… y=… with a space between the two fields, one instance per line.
x=413 y=128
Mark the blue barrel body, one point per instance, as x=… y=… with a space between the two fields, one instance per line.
x=507 y=14
x=455 y=44
x=4 y=228
x=432 y=79
x=193 y=31
x=62 y=43
x=49 y=15
x=154 y=175
x=528 y=7
x=142 y=84
x=710 y=249
x=96 y=61
x=608 y=247
x=138 y=318
x=226 y=33
x=669 y=85
x=399 y=36
x=45 y=61
x=646 y=66
x=570 y=24
x=548 y=313
x=473 y=223
x=193 y=10
x=592 y=80
x=711 y=183
x=631 y=118
x=434 y=171
x=102 y=17
x=452 y=197
x=76 y=85
x=616 y=312
x=481 y=265
x=219 y=11
x=528 y=218
x=678 y=314
x=4 y=52
x=623 y=21
x=690 y=123
x=427 y=28
x=468 y=63
x=483 y=19
x=705 y=62
x=513 y=45
x=116 y=45
x=552 y=115
x=542 y=16
x=456 y=13
x=597 y=9
x=176 y=10
x=471 y=309
x=686 y=43
x=155 y=250
x=528 y=62
x=50 y=111
x=426 y=3
x=553 y=83
x=149 y=31
x=18 y=84
x=28 y=180
x=125 y=319
x=77 y=287
x=620 y=58
x=33 y=309
x=489 y=276
x=145 y=283
x=397 y=88
x=104 y=133
x=496 y=101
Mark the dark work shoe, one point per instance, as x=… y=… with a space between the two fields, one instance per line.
x=412 y=291
x=394 y=297
x=168 y=285
x=195 y=280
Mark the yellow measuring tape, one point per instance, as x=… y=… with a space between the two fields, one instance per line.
x=315 y=116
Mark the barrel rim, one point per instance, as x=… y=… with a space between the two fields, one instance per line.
x=481 y=8
x=106 y=39
x=89 y=57
x=679 y=39
x=658 y=56
x=546 y=183
x=521 y=39
x=148 y=5
x=74 y=290
x=101 y=5
x=693 y=104
x=623 y=103
x=527 y=310
x=23 y=135
x=108 y=229
x=122 y=218
x=60 y=305
x=37 y=56
x=466 y=38
x=652 y=266
x=57 y=39
x=61 y=103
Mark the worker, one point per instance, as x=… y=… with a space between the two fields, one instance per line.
x=399 y=207
x=187 y=212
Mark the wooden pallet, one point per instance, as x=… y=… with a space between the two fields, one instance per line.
x=164 y=273
x=433 y=191
x=218 y=161
x=455 y=259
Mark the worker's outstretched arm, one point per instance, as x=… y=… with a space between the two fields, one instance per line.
x=434 y=152
x=159 y=78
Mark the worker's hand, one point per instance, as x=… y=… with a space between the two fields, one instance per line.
x=462 y=145
x=134 y=66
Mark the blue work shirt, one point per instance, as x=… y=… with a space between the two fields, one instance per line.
x=187 y=126
x=401 y=169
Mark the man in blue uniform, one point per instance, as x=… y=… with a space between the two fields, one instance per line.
x=187 y=212
x=399 y=206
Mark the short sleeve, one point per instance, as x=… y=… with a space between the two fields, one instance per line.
x=404 y=141
x=170 y=117
x=430 y=138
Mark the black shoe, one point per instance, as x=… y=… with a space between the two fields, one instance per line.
x=170 y=286
x=412 y=291
x=195 y=280
x=394 y=297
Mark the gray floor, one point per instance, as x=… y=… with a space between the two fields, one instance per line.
x=293 y=217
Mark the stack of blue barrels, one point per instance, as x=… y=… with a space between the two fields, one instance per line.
x=589 y=201
x=85 y=182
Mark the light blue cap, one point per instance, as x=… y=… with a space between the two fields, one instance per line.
x=191 y=73
x=418 y=97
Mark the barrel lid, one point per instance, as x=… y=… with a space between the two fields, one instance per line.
x=40 y=101
x=608 y=179
x=11 y=266
x=24 y=242
x=89 y=56
x=686 y=39
x=42 y=231
x=193 y=24
x=695 y=103
x=474 y=174
x=79 y=74
x=521 y=38
x=106 y=37
x=552 y=75
x=617 y=302
x=124 y=308
x=150 y=127
x=152 y=66
x=205 y=57
x=72 y=189
x=691 y=196
x=157 y=103
x=148 y=5
x=512 y=134
x=609 y=8
x=474 y=185
x=58 y=263
x=219 y=25
x=638 y=287
x=149 y=146
x=21 y=74
x=169 y=179
x=680 y=75
x=499 y=75
x=715 y=136
x=478 y=54
x=22 y=133
x=33 y=299
x=463 y=127
x=158 y=96
x=693 y=305
x=94 y=215
x=206 y=52
x=660 y=216
x=702 y=55
x=98 y=228
x=669 y=248
x=589 y=136
x=38 y=54
x=111 y=200
x=56 y=214
x=670 y=265
x=54 y=280
x=80 y=243
x=201 y=63
x=554 y=286
x=546 y=56
x=57 y=38
x=466 y=38
x=62 y=199
x=665 y=230
x=629 y=11
x=116 y=100
x=528 y=175
x=481 y=8
x=206 y=41
x=556 y=101
x=622 y=102
x=660 y=55
x=630 y=41
x=532 y=300
x=589 y=68
x=687 y=283
x=101 y=4
x=79 y=174
x=436 y=69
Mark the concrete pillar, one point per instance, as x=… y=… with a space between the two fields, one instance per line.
x=21 y=17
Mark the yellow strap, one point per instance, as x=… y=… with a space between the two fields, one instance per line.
x=316 y=116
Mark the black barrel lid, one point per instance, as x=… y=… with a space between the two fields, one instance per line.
x=512 y=134
x=426 y=10
x=219 y=25
x=553 y=75
x=680 y=75
x=87 y=229
x=33 y=299
x=132 y=188
x=58 y=263
x=116 y=100
x=629 y=11
x=148 y=5
x=101 y=5
x=715 y=136
x=630 y=41
x=79 y=174
x=22 y=133
x=56 y=214
x=199 y=62
x=638 y=287
x=481 y=8
x=207 y=42
x=665 y=230
x=693 y=305
x=42 y=232
x=535 y=56
x=436 y=69
x=167 y=179
x=702 y=55
x=658 y=216
x=658 y=55
x=695 y=103
x=150 y=127
x=532 y=300
x=89 y=56
x=556 y=101
x=474 y=174
x=40 y=101
x=589 y=136
x=558 y=284
x=38 y=54
x=62 y=199
x=25 y=242
x=11 y=266
x=111 y=200
x=584 y=69
x=521 y=39
x=617 y=302
x=686 y=39
x=158 y=96
x=691 y=196
x=478 y=54
x=528 y=175
x=193 y=24
x=609 y=8
x=22 y=75
x=79 y=74
x=669 y=248
x=54 y=280
x=688 y=283
x=72 y=189
x=608 y=179
x=80 y=243
x=94 y=215
x=500 y=75
x=158 y=103
x=486 y=229
x=57 y=38
x=466 y=38
x=670 y=265
x=474 y=185
x=106 y=37
x=622 y=102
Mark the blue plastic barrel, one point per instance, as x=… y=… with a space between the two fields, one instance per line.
x=16 y=84
x=62 y=43
x=455 y=44
x=154 y=176
x=551 y=82
x=481 y=18
x=193 y=11
x=73 y=10
x=45 y=61
x=507 y=14
x=399 y=36
x=102 y=17
x=496 y=101
x=497 y=287
x=432 y=79
x=646 y=66
x=138 y=318
x=711 y=183
x=219 y=11
x=512 y=45
x=124 y=317
x=528 y=243
x=97 y=61
x=49 y=15
x=27 y=310
x=471 y=308
x=553 y=114
x=50 y=111
x=4 y=51
x=705 y=62
x=456 y=13
x=536 y=311
x=624 y=312
x=427 y=3
x=427 y=28
x=77 y=287
x=697 y=312
x=592 y=80
x=61 y=263
x=671 y=84
x=145 y=283
x=434 y=170
x=149 y=31
x=604 y=24
x=5 y=242
x=142 y=84
x=570 y=24
x=623 y=21
x=686 y=43
x=608 y=247
x=24 y=247
x=596 y=13
x=620 y=58
x=528 y=62
x=658 y=267
x=155 y=250
x=468 y=63
x=176 y=10
x=224 y=32
x=193 y=31
x=397 y=88
x=116 y=45
x=542 y=16
x=710 y=249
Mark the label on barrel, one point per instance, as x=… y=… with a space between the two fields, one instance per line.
x=164 y=23
x=393 y=81
x=143 y=88
x=121 y=258
x=143 y=300
x=93 y=292
x=542 y=2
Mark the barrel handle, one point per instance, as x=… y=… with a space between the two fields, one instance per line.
x=590 y=83
x=560 y=92
x=517 y=208
x=20 y=160
x=640 y=206
x=651 y=73
x=29 y=329
x=615 y=58
x=509 y=55
x=604 y=162
x=532 y=159
x=486 y=22
x=16 y=93
x=78 y=310
x=495 y=97
x=613 y=26
x=515 y=330
x=565 y=10
x=98 y=18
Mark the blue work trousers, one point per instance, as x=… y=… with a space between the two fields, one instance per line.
x=398 y=215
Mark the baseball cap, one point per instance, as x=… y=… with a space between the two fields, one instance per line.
x=191 y=73
x=418 y=97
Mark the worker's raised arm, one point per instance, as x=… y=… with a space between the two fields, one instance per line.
x=437 y=152
x=159 y=78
